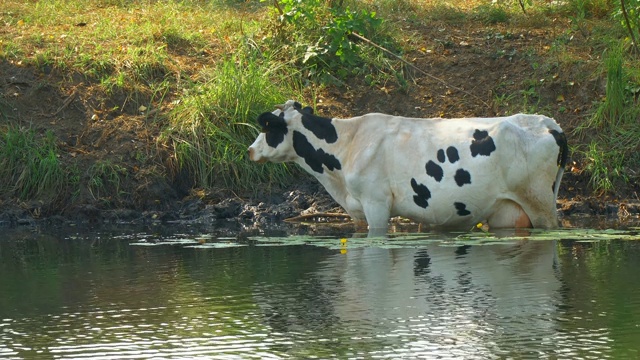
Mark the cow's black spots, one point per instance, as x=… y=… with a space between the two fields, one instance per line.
x=274 y=127
x=315 y=158
x=561 y=141
x=304 y=110
x=482 y=144
x=275 y=137
x=461 y=209
x=422 y=194
x=320 y=126
x=462 y=177
x=269 y=121
x=452 y=154
x=434 y=170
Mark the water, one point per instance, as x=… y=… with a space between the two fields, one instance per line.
x=189 y=293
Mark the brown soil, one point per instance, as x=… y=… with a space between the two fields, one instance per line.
x=469 y=69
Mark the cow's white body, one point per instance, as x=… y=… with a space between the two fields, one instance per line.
x=381 y=166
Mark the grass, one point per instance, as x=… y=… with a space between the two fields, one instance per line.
x=213 y=124
x=205 y=70
x=29 y=165
x=104 y=178
x=612 y=155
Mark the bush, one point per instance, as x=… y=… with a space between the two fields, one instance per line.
x=321 y=31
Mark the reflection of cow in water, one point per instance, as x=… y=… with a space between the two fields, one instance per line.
x=469 y=299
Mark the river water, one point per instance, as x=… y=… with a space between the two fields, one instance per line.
x=189 y=293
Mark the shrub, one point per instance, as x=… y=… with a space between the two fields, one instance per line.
x=322 y=33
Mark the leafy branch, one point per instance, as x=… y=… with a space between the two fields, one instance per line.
x=623 y=8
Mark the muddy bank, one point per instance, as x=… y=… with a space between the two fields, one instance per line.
x=262 y=210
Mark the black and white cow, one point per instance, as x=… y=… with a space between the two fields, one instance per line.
x=447 y=173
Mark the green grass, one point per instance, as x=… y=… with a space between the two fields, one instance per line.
x=213 y=124
x=104 y=179
x=613 y=152
x=29 y=165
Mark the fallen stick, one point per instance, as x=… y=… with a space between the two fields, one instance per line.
x=306 y=217
x=66 y=103
x=360 y=37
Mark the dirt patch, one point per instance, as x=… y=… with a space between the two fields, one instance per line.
x=472 y=72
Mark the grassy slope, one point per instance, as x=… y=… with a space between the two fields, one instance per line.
x=146 y=100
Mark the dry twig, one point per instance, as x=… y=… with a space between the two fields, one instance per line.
x=307 y=217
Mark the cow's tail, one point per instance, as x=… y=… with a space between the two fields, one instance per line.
x=563 y=156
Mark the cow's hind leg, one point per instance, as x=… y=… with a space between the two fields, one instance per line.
x=508 y=214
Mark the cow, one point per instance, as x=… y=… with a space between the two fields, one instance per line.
x=446 y=173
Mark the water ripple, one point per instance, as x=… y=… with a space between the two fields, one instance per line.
x=528 y=299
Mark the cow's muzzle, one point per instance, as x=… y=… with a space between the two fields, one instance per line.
x=252 y=156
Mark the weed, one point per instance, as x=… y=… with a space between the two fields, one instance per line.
x=29 y=165
x=617 y=116
x=491 y=14
x=213 y=123
x=613 y=110
x=104 y=179
x=447 y=13
x=606 y=167
x=503 y=101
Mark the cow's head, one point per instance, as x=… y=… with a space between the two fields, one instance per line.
x=274 y=143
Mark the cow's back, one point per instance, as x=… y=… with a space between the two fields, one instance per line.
x=450 y=172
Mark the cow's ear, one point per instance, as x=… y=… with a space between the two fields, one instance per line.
x=270 y=121
x=307 y=110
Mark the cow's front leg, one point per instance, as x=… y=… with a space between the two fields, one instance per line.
x=377 y=214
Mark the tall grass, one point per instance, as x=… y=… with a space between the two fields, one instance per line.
x=615 y=126
x=213 y=125
x=29 y=165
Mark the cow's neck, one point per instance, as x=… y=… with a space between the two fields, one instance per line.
x=325 y=160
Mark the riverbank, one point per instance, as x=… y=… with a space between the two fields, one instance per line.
x=307 y=200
